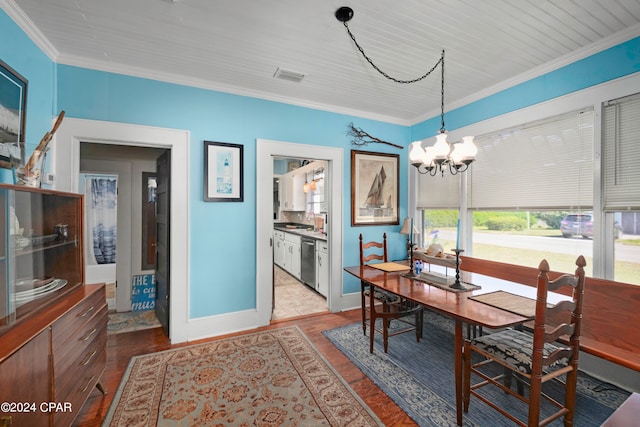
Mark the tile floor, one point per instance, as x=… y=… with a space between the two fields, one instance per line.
x=293 y=298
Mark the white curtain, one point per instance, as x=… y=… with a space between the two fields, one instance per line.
x=100 y=209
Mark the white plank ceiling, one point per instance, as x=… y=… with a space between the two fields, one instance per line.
x=237 y=45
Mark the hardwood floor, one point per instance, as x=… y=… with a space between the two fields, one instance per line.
x=122 y=347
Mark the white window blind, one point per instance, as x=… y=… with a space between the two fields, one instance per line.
x=439 y=192
x=621 y=129
x=546 y=164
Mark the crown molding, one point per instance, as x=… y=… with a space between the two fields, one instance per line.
x=30 y=29
x=599 y=46
x=157 y=75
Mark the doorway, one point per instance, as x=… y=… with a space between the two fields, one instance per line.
x=66 y=157
x=266 y=151
x=299 y=200
x=126 y=165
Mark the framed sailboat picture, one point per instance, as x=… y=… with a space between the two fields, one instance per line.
x=375 y=187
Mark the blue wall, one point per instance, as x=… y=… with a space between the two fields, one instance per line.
x=222 y=252
x=27 y=59
x=223 y=258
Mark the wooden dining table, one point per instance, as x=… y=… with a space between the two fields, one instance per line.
x=458 y=305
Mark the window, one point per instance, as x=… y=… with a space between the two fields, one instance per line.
x=539 y=165
x=528 y=237
x=532 y=194
x=621 y=194
x=438 y=226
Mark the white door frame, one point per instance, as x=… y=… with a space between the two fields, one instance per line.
x=265 y=151
x=65 y=159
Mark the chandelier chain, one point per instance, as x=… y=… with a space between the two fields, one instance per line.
x=370 y=61
x=442 y=130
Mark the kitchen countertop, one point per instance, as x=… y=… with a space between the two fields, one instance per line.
x=302 y=230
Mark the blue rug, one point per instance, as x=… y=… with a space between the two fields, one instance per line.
x=419 y=378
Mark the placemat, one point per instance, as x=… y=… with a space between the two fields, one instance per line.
x=509 y=302
x=390 y=266
x=466 y=287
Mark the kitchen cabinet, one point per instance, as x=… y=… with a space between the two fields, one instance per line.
x=278 y=248
x=292 y=254
x=292 y=192
x=322 y=268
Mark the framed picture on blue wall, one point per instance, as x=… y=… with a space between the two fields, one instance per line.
x=223 y=172
x=375 y=188
x=13 y=100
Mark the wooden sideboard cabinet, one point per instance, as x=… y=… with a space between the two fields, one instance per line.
x=58 y=356
x=53 y=327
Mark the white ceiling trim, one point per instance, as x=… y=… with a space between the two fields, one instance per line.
x=27 y=25
x=144 y=73
x=575 y=56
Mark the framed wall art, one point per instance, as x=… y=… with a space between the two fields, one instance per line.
x=223 y=172
x=13 y=99
x=375 y=188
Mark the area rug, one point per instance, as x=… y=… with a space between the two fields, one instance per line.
x=419 y=378
x=270 y=378
x=131 y=321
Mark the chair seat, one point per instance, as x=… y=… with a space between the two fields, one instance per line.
x=382 y=296
x=513 y=348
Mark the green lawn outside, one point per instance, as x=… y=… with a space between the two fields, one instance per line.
x=626 y=272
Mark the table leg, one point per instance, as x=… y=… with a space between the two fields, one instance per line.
x=372 y=316
x=458 y=349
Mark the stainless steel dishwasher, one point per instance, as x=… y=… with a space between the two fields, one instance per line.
x=308 y=261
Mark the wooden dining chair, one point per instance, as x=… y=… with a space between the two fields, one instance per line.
x=550 y=352
x=393 y=307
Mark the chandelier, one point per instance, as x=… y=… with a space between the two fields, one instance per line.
x=442 y=155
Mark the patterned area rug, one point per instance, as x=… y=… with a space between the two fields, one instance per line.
x=270 y=378
x=419 y=378
x=131 y=321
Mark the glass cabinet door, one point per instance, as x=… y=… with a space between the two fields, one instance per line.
x=40 y=250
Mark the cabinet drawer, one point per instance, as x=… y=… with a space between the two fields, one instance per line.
x=278 y=234
x=68 y=325
x=322 y=246
x=293 y=238
x=77 y=391
x=67 y=380
x=64 y=356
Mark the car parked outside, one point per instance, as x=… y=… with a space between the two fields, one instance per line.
x=582 y=225
x=577 y=225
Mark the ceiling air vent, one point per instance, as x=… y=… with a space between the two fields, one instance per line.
x=292 y=76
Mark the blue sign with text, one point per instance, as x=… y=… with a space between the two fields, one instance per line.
x=143 y=293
